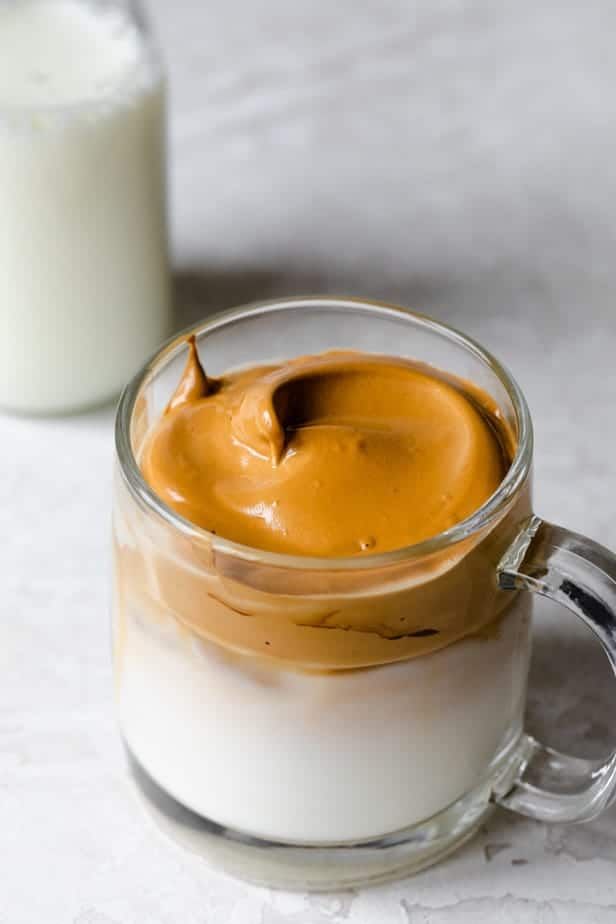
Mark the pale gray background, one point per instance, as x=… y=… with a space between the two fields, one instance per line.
x=458 y=157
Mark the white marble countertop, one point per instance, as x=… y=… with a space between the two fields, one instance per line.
x=455 y=155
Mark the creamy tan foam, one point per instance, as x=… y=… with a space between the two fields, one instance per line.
x=330 y=455
x=343 y=453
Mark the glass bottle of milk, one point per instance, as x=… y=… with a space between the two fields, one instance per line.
x=84 y=282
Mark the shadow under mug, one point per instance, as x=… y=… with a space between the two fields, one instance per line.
x=391 y=754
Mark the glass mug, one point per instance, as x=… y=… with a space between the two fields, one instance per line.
x=371 y=756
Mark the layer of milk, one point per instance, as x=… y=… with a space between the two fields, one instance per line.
x=318 y=757
x=83 y=249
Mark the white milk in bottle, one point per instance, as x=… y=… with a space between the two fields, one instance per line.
x=84 y=286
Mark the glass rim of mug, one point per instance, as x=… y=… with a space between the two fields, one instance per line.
x=484 y=516
x=141 y=20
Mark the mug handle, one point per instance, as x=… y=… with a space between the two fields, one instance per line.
x=581 y=574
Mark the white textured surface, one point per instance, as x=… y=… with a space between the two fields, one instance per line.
x=457 y=156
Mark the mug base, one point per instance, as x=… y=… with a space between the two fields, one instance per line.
x=317 y=868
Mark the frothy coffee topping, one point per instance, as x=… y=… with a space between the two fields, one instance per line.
x=341 y=454
x=338 y=454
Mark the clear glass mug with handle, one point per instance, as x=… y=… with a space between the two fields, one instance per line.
x=298 y=754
